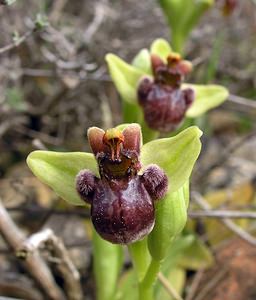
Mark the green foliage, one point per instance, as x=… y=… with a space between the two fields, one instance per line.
x=127 y=287
x=196 y=256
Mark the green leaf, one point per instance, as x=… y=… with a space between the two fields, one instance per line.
x=59 y=170
x=142 y=61
x=161 y=48
x=140 y=257
x=176 y=155
x=175 y=251
x=107 y=264
x=125 y=77
x=176 y=278
x=127 y=287
x=206 y=98
x=196 y=256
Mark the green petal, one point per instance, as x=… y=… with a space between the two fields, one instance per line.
x=126 y=290
x=176 y=155
x=161 y=48
x=58 y=170
x=142 y=61
x=207 y=97
x=124 y=76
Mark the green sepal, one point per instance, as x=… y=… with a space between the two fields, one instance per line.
x=171 y=217
x=161 y=48
x=142 y=61
x=206 y=98
x=175 y=155
x=124 y=76
x=59 y=170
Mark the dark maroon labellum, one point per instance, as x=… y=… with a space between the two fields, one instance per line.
x=163 y=101
x=122 y=202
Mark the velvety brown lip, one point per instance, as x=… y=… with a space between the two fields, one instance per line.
x=122 y=202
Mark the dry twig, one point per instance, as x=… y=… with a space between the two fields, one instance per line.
x=225 y=155
x=168 y=287
x=243 y=101
x=227 y=222
x=220 y=214
x=195 y=284
x=212 y=284
x=51 y=242
x=14 y=237
x=17 y=42
x=96 y=22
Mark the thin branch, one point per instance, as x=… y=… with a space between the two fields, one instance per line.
x=14 y=237
x=220 y=214
x=225 y=155
x=17 y=42
x=227 y=222
x=41 y=211
x=57 y=9
x=51 y=242
x=99 y=16
x=195 y=284
x=212 y=284
x=168 y=287
x=18 y=289
x=243 y=101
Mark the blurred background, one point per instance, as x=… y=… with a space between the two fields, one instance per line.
x=54 y=84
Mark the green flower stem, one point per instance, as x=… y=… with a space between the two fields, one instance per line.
x=146 y=269
x=147 y=285
x=107 y=262
x=178 y=41
x=140 y=258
